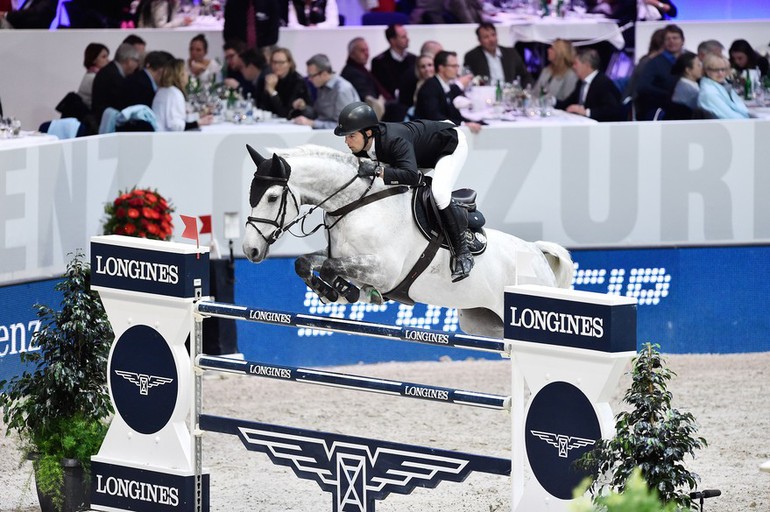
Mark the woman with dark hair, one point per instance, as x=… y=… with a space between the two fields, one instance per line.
x=744 y=60
x=160 y=14
x=95 y=57
x=688 y=68
x=199 y=65
x=283 y=85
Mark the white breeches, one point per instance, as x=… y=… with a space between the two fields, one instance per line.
x=447 y=170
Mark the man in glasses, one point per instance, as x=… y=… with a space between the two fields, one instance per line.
x=334 y=93
x=656 y=83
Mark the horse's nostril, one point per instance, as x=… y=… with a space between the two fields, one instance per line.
x=254 y=254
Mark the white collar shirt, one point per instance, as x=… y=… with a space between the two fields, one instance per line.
x=495 y=63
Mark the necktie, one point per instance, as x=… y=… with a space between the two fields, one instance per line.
x=251 y=25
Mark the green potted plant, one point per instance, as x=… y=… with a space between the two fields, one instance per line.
x=651 y=436
x=60 y=409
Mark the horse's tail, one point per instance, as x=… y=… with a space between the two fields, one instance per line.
x=560 y=262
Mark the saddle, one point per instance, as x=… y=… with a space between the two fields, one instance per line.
x=428 y=220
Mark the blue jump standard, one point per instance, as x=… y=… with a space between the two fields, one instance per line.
x=416 y=335
x=342 y=380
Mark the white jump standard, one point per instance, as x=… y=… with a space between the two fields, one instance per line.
x=569 y=347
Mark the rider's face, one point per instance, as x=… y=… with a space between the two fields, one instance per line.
x=355 y=141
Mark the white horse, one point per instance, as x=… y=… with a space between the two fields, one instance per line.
x=374 y=246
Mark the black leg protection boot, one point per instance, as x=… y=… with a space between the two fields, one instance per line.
x=455 y=223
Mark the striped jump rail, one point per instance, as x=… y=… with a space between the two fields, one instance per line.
x=411 y=334
x=355 y=382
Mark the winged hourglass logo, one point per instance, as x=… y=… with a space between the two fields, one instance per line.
x=563 y=443
x=144 y=381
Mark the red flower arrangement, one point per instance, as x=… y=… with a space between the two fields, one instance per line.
x=139 y=212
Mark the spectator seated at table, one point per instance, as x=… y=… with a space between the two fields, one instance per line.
x=394 y=69
x=169 y=104
x=746 y=62
x=231 y=72
x=33 y=14
x=498 y=63
x=425 y=70
x=143 y=83
x=716 y=93
x=138 y=43
x=595 y=95
x=199 y=65
x=558 y=78
x=655 y=10
x=255 y=22
x=654 y=48
x=464 y=11
x=254 y=70
x=109 y=89
x=437 y=96
x=98 y=13
x=283 y=85
x=656 y=83
x=313 y=13
x=160 y=14
x=95 y=57
x=688 y=69
x=369 y=89
x=334 y=93
x=710 y=46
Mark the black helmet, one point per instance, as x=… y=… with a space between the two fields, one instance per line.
x=355 y=117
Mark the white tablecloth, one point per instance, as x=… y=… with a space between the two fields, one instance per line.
x=27 y=139
x=586 y=29
x=259 y=127
x=555 y=118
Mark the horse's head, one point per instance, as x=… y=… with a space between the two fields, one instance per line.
x=273 y=205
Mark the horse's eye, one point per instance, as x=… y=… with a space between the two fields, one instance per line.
x=272 y=198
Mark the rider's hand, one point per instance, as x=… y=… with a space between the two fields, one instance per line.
x=368 y=168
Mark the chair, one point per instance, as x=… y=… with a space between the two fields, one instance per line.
x=660 y=114
x=384 y=18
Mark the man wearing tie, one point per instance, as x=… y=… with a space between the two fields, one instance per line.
x=32 y=14
x=595 y=95
x=255 y=22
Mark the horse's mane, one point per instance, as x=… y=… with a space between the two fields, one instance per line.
x=316 y=151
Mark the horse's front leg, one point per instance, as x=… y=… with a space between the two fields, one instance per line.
x=305 y=266
x=367 y=270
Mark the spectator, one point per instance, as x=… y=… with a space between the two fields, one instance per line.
x=431 y=48
x=95 y=57
x=654 y=10
x=716 y=93
x=255 y=22
x=33 y=14
x=425 y=70
x=744 y=61
x=199 y=65
x=231 y=74
x=283 y=85
x=394 y=68
x=367 y=86
x=334 y=93
x=710 y=46
x=653 y=50
x=465 y=11
x=313 y=13
x=656 y=83
x=595 y=96
x=435 y=99
x=109 y=83
x=688 y=69
x=428 y=12
x=141 y=85
x=160 y=14
x=558 y=78
x=253 y=71
x=169 y=103
x=496 y=62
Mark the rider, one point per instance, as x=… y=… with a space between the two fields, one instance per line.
x=398 y=151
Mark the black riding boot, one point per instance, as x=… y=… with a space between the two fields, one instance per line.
x=455 y=223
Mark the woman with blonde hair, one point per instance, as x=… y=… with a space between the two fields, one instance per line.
x=423 y=68
x=169 y=102
x=558 y=78
x=716 y=94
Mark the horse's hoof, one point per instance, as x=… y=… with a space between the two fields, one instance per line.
x=373 y=296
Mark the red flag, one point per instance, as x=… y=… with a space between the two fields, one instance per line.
x=206 y=224
x=190 y=227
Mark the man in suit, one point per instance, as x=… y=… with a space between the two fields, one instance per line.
x=435 y=98
x=33 y=14
x=256 y=22
x=141 y=85
x=368 y=87
x=656 y=83
x=595 y=95
x=496 y=62
x=394 y=68
x=109 y=89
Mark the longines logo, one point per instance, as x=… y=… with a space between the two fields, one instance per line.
x=145 y=382
x=269 y=371
x=137 y=269
x=136 y=490
x=269 y=316
x=561 y=323
x=562 y=442
x=430 y=337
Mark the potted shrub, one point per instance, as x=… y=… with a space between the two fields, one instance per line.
x=60 y=409
x=651 y=436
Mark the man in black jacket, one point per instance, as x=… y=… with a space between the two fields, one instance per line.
x=255 y=22
x=33 y=14
x=595 y=95
x=395 y=153
x=109 y=89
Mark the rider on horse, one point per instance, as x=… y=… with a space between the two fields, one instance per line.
x=397 y=152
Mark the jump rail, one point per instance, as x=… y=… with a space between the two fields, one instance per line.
x=416 y=335
x=342 y=380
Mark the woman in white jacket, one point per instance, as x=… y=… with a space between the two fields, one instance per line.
x=169 y=103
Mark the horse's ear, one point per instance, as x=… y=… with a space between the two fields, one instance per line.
x=255 y=156
x=279 y=167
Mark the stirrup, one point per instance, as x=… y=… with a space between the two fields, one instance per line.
x=461 y=266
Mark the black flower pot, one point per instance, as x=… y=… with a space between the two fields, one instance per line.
x=75 y=490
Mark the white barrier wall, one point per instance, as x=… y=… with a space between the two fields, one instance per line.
x=602 y=185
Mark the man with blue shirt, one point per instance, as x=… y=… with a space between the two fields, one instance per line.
x=656 y=83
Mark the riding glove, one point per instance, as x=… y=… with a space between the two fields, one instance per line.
x=369 y=168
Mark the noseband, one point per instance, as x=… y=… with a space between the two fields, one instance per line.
x=280 y=217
